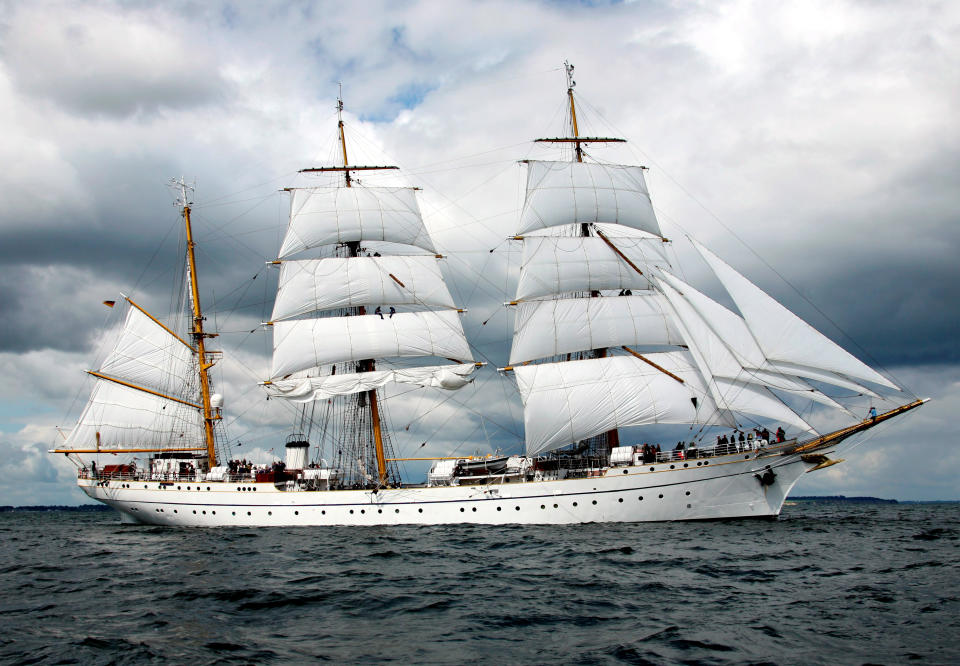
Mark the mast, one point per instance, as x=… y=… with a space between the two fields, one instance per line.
x=367 y=365
x=197 y=332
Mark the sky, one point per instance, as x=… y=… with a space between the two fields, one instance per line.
x=813 y=145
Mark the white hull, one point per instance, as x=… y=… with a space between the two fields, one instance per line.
x=722 y=487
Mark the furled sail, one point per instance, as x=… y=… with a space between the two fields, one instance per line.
x=546 y=328
x=307 y=343
x=561 y=193
x=312 y=285
x=782 y=335
x=449 y=377
x=556 y=264
x=325 y=216
x=569 y=401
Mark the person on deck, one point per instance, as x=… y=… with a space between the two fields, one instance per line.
x=781 y=434
x=873 y=413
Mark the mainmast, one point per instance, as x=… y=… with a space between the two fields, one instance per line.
x=196 y=330
x=368 y=398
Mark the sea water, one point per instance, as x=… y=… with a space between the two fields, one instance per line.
x=827 y=583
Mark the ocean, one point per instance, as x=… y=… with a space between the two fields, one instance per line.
x=828 y=583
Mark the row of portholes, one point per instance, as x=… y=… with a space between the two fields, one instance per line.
x=241 y=488
x=699 y=462
x=462 y=509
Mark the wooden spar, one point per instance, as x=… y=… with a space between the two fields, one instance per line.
x=119 y=451
x=613 y=247
x=651 y=363
x=143 y=388
x=866 y=424
x=440 y=458
x=378 y=438
x=581 y=139
x=199 y=336
x=160 y=324
x=344 y=168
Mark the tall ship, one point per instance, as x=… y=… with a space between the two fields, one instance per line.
x=606 y=337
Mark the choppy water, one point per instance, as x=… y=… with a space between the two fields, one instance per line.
x=832 y=583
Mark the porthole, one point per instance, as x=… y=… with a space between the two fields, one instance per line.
x=661 y=496
x=594 y=501
x=396 y=510
x=144 y=485
x=239 y=488
x=269 y=513
x=379 y=510
x=620 y=500
x=706 y=462
x=194 y=510
x=322 y=512
x=640 y=498
x=625 y=471
x=688 y=492
x=204 y=512
x=254 y=489
x=214 y=512
x=208 y=487
x=248 y=513
x=688 y=506
x=555 y=506
x=188 y=487
x=574 y=503
x=499 y=508
x=363 y=510
x=233 y=513
x=672 y=466
x=351 y=510
x=686 y=465
x=652 y=468
x=518 y=508
x=296 y=513
x=543 y=506
x=462 y=509
x=698 y=464
x=474 y=509
x=178 y=487
x=419 y=510
x=175 y=511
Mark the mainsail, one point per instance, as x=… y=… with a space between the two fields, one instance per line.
x=339 y=318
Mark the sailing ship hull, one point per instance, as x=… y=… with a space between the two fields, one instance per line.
x=724 y=487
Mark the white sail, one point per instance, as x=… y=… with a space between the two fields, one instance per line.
x=322 y=284
x=554 y=265
x=127 y=418
x=579 y=192
x=147 y=355
x=570 y=401
x=720 y=361
x=448 y=377
x=782 y=335
x=307 y=343
x=546 y=328
x=325 y=216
